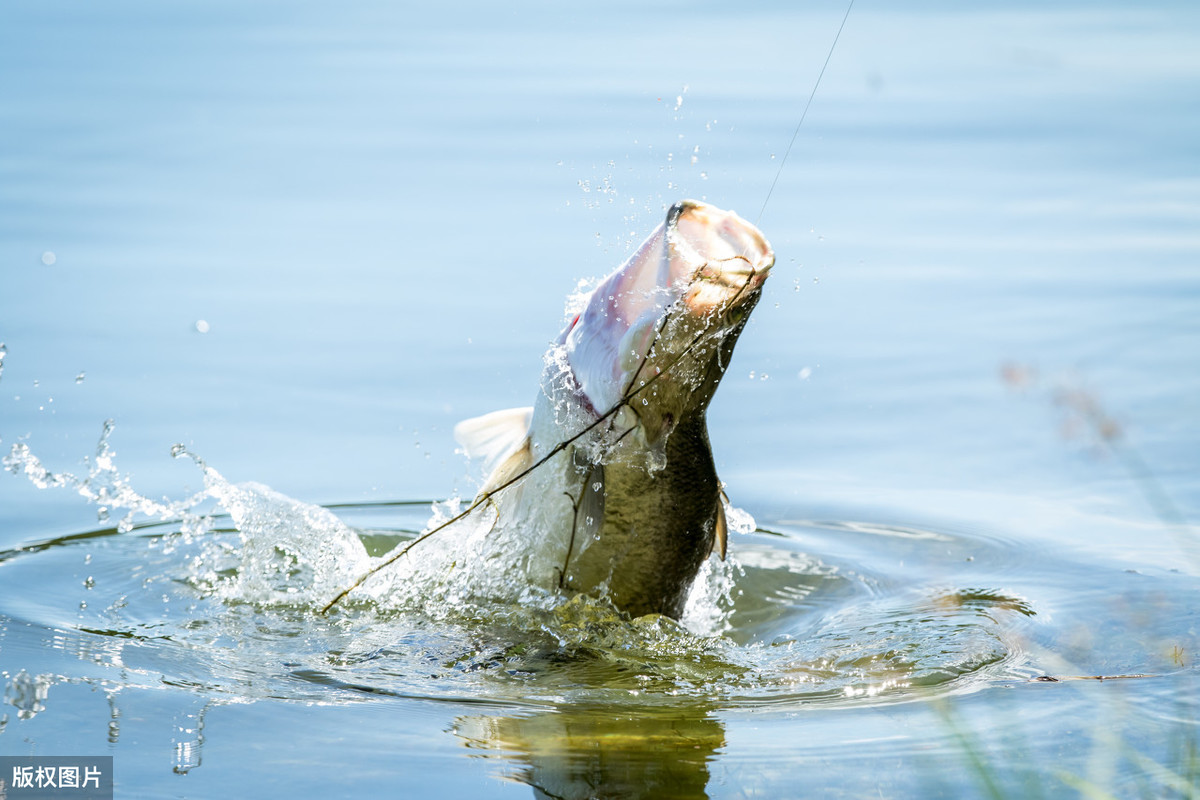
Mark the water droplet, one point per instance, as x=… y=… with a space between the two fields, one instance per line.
x=703 y=176
x=89 y=582
x=48 y=258
x=79 y=378
x=102 y=514
x=645 y=402
x=805 y=373
x=816 y=279
x=178 y=451
x=202 y=326
x=597 y=486
x=764 y=377
x=752 y=374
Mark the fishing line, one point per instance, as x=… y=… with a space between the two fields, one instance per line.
x=630 y=393
x=811 y=95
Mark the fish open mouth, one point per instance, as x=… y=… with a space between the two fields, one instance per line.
x=707 y=235
x=728 y=255
x=701 y=261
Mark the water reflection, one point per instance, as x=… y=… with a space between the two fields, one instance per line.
x=188 y=736
x=604 y=751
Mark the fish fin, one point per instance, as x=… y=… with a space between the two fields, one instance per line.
x=721 y=537
x=496 y=436
x=721 y=526
x=513 y=465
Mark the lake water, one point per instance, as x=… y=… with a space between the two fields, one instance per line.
x=304 y=241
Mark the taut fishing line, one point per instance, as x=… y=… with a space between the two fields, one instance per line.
x=804 y=114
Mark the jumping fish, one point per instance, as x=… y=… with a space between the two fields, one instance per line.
x=609 y=477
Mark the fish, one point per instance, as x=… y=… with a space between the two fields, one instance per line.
x=607 y=485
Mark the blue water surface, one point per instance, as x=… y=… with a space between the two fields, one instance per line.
x=304 y=240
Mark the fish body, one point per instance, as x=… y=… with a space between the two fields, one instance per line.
x=618 y=493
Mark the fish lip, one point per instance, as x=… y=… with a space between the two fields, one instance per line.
x=729 y=257
x=733 y=273
x=725 y=247
x=702 y=266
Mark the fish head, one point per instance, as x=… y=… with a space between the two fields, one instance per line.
x=656 y=335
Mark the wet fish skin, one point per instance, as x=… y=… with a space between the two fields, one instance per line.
x=658 y=528
x=631 y=509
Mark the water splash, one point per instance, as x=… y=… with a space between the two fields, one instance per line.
x=229 y=602
x=710 y=604
x=103 y=484
x=290 y=551
x=295 y=554
x=462 y=609
x=737 y=520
